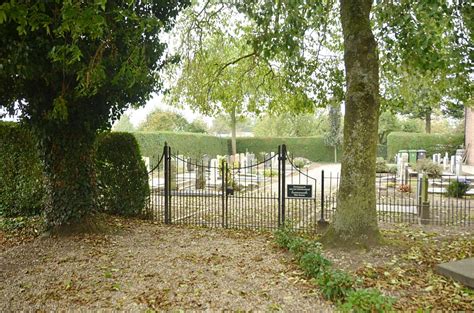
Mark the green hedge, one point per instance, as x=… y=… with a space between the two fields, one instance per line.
x=312 y=148
x=122 y=178
x=190 y=144
x=432 y=143
x=21 y=187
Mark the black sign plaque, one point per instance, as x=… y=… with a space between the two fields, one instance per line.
x=299 y=191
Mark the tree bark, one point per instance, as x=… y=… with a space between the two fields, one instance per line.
x=69 y=167
x=233 y=121
x=428 y=122
x=356 y=216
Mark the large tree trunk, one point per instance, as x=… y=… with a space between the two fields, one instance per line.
x=233 y=121
x=356 y=216
x=69 y=167
x=428 y=122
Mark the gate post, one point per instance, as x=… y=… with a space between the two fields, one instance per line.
x=283 y=183
x=167 y=182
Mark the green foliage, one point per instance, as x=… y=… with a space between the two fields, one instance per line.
x=388 y=122
x=300 y=162
x=314 y=264
x=124 y=124
x=270 y=173
x=160 y=120
x=333 y=136
x=432 y=143
x=427 y=166
x=382 y=151
x=457 y=189
x=335 y=285
x=189 y=144
x=21 y=187
x=381 y=166
x=367 y=300
x=71 y=68
x=121 y=174
x=311 y=148
x=291 y=125
x=284 y=237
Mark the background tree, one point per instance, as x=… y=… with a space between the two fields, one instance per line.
x=124 y=124
x=159 y=120
x=388 y=122
x=425 y=56
x=291 y=125
x=69 y=68
x=333 y=136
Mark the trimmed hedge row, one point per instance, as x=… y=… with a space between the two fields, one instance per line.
x=195 y=145
x=190 y=144
x=121 y=173
x=312 y=148
x=432 y=143
x=122 y=178
x=21 y=176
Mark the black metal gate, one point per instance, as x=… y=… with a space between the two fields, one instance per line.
x=234 y=193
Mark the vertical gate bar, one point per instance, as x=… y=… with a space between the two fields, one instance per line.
x=224 y=191
x=279 y=185
x=283 y=183
x=165 y=151
x=322 y=196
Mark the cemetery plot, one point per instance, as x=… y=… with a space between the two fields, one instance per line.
x=241 y=192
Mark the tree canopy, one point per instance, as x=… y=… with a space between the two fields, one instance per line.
x=69 y=68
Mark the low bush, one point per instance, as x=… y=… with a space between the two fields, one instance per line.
x=367 y=300
x=122 y=177
x=270 y=173
x=313 y=264
x=457 y=188
x=381 y=166
x=283 y=237
x=428 y=167
x=300 y=162
x=335 y=284
x=299 y=246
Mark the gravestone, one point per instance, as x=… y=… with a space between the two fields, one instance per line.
x=200 y=182
x=214 y=171
x=268 y=161
x=274 y=160
x=446 y=161
x=402 y=162
x=189 y=165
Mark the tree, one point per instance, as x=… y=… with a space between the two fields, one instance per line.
x=333 y=136
x=388 y=122
x=70 y=67
x=123 y=124
x=159 y=120
x=425 y=50
x=291 y=125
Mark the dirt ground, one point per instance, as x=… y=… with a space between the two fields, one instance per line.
x=145 y=266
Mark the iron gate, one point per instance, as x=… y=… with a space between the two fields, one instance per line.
x=229 y=193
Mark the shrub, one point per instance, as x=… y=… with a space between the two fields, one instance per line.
x=427 y=166
x=21 y=177
x=300 y=162
x=284 y=237
x=367 y=300
x=122 y=178
x=270 y=173
x=312 y=148
x=381 y=166
x=404 y=188
x=313 y=264
x=432 y=143
x=457 y=188
x=335 y=284
x=299 y=246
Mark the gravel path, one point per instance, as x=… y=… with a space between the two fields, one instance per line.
x=146 y=266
